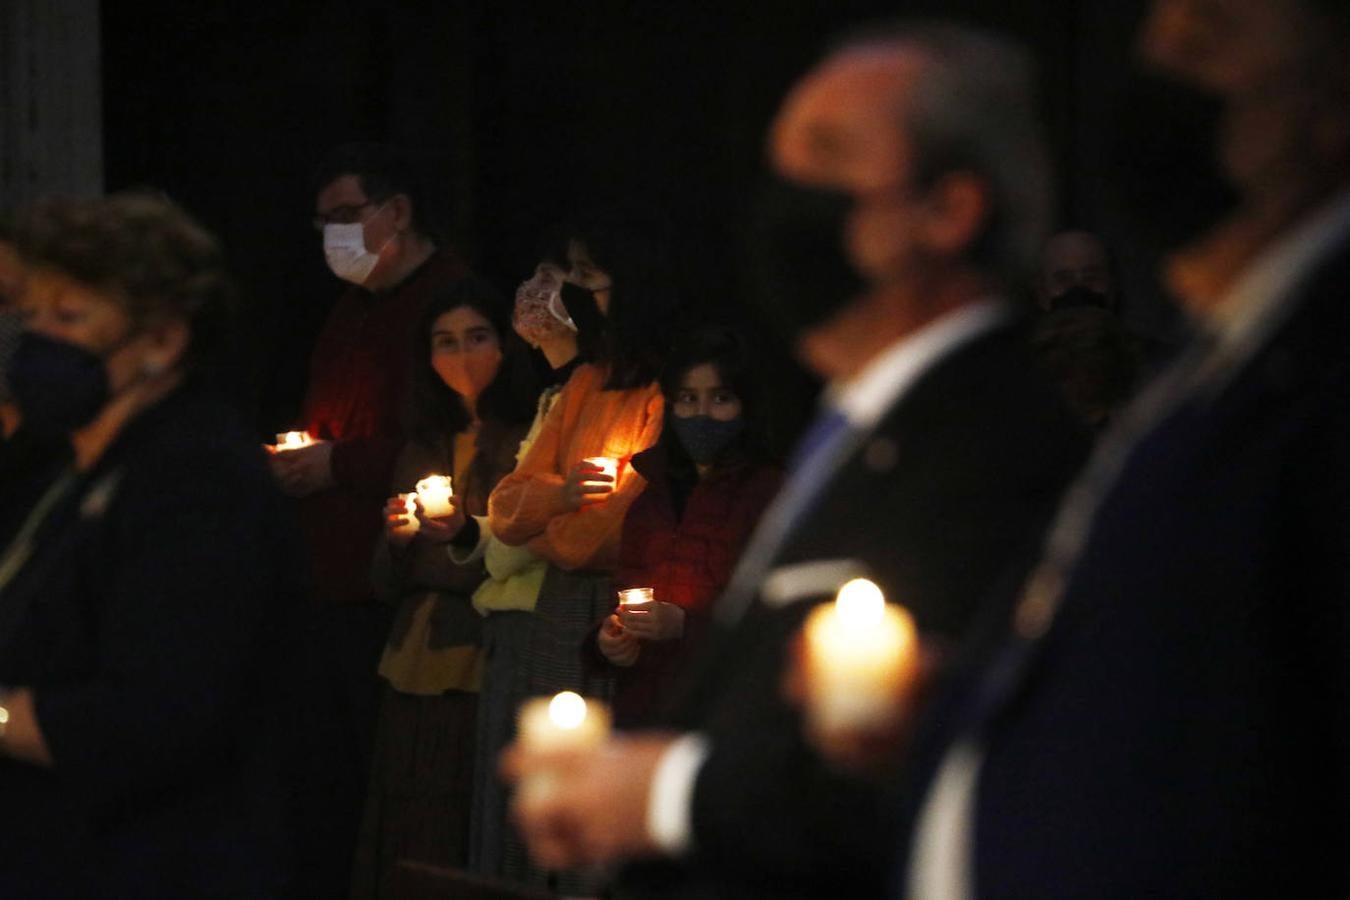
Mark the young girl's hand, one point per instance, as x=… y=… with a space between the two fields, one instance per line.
x=441 y=529
x=586 y=483
x=617 y=646
x=400 y=526
x=655 y=621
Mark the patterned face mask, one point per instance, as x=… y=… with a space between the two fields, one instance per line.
x=539 y=314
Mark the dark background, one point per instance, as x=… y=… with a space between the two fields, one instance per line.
x=521 y=110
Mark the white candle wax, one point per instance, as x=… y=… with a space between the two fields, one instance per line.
x=411 y=526
x=293 y=440
x=563 y=722
x=861 y=653
x=435 y=494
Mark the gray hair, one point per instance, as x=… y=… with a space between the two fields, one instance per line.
x=974 y=111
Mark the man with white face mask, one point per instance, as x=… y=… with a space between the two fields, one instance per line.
x=376 y=237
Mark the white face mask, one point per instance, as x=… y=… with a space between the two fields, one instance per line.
x=344 y=247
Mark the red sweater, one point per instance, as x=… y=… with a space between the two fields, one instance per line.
x=688 y=559
x=357 y=380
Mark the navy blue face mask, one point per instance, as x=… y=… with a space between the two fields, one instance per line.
x=704 y=438
x=58 y=386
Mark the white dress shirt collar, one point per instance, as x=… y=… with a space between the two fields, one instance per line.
x=866 y=397
x=1259 y=301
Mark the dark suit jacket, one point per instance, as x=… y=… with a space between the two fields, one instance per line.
x=1183 y=730
x=152 y=621
x=948 y=495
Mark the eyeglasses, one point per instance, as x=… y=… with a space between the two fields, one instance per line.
x=347 y=214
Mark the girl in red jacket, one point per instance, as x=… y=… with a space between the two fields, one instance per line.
x=708 y=483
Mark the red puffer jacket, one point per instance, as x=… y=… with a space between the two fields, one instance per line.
x=687 y=558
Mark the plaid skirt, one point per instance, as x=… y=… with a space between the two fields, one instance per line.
x=570 y=604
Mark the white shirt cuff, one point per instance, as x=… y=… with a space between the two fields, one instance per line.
x=670 y=802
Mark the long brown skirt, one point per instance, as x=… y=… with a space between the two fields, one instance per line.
x=421 y=787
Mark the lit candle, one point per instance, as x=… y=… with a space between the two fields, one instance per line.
x=606 y=464
x=293 y=440
x=435 y=494
x=635 y=600
x=861 y=653
x=410 y=526
x=564 y=722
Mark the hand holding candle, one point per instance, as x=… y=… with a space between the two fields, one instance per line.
x=595 y=809
x=647 y=618
x=591 y=481
x=400 y=518
x=301 y=464
x=616 y=644
x=566 y=723
x=860 y=660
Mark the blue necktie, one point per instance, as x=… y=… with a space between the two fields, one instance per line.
x=813 y=463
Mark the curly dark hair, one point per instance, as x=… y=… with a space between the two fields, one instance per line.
x=143 y=252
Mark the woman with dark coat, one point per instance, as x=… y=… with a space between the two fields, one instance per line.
x=147 y=601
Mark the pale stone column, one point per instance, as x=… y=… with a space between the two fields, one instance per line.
x=51 y=122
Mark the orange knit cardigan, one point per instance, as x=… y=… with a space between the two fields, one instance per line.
x=527 y=506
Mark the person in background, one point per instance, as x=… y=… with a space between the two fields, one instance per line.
x=562 y=508
x=708 y=482
x=507 y=597
x=1094 y=360
x=378 y=237
x=150 y=604
x=1167 y=714
x=908 y=160
x=472 y=394
x=1076 y=270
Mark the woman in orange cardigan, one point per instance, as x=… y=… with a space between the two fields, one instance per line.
x=564 y=510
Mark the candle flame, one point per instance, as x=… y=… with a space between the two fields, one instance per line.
x=567 y=710
x=436 y=483
x=860 y=603
x=291 y=439
x=630 y=596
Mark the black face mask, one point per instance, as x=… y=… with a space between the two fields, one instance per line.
x=800 y=273
x=58 y=386
x=585 y=314
x=705 y=438
x=1163 y=170
x=1079 y=296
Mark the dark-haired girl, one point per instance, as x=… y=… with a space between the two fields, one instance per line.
x=708 y=482
x=472 y=398
x=563 y=509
